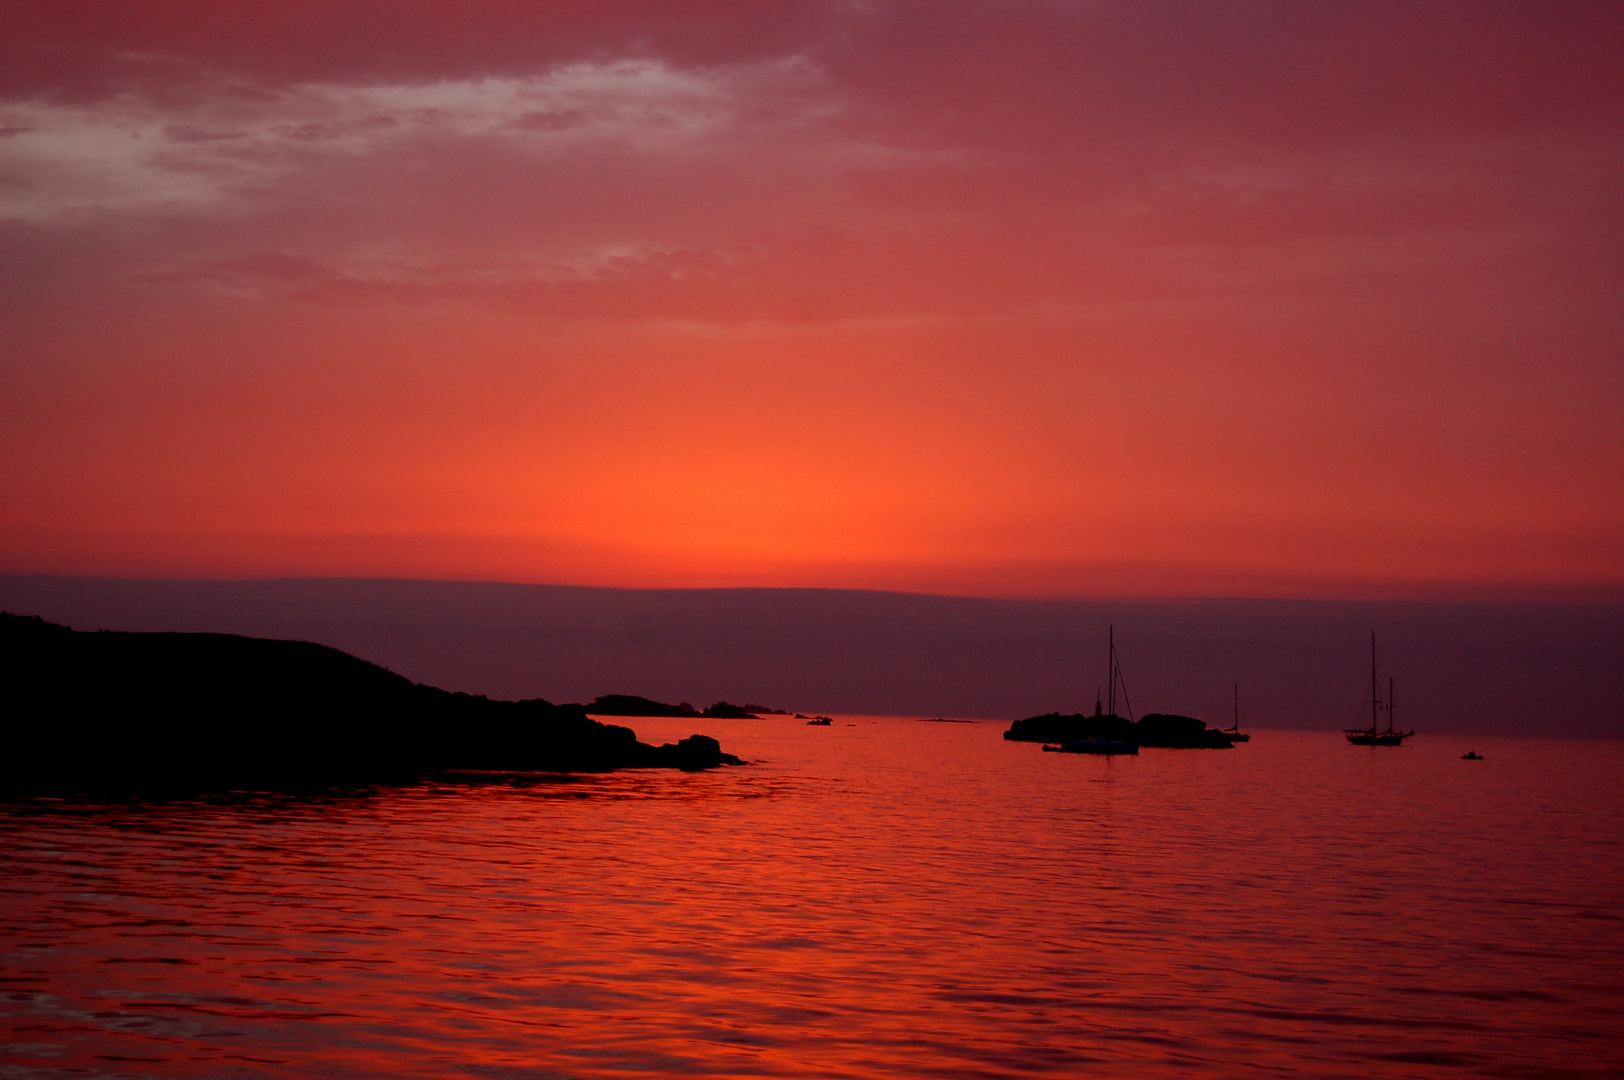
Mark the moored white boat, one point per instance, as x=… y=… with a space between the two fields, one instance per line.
x=1094 y=746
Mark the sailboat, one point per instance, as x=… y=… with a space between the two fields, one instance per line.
x=1234 y=733
x=1373 y=736
x=1095 y=744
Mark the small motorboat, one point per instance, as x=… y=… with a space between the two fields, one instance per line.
x=821 y=721
x=1471 y=755
x=1093 y=746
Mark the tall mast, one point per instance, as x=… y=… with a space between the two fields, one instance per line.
x=1389 y=704
x=1373 y=697
x=1110 y=659
x=1237 y=706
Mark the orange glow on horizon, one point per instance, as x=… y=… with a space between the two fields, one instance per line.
x=821 y=306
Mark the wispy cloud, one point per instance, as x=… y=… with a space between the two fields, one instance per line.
x=212 y=153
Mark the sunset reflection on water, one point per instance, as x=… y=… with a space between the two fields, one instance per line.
x=878 y=898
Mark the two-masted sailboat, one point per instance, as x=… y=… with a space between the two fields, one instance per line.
x=1373 y=735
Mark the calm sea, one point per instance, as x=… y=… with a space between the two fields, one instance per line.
x=884 y=897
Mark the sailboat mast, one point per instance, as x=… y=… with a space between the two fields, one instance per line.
x=1389 y=705
x=1237 y=706
x=1373 y=697
x=1110 y=659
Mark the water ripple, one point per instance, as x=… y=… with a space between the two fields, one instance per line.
x=886 y=899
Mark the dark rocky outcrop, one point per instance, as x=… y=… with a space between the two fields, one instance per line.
x=1056 y=728
x=631 y=705
x=1170 y=729
x=1152 y=729
x=723 y=711
x=109 y=711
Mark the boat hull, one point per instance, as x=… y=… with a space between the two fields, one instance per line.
x=1380 y=738
x=1093 y=746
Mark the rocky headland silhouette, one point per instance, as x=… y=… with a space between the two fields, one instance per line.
x=1152 y=729
x=632 y=705
x=724 y=711
x=107 y=711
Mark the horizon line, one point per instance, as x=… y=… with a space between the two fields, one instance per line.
x=1608 y=594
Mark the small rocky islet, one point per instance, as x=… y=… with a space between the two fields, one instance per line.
x=1152 y=729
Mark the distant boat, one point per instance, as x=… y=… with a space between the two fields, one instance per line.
x=1093 y=746
x=1234 y=733
x=1373 y=736
x=1471 y=755
x=822 y=721
x=1106 y=732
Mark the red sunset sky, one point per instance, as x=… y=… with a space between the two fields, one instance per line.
x=1032 y=299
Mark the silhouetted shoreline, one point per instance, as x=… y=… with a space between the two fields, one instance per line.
x=632 y=705
x=122 y=712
